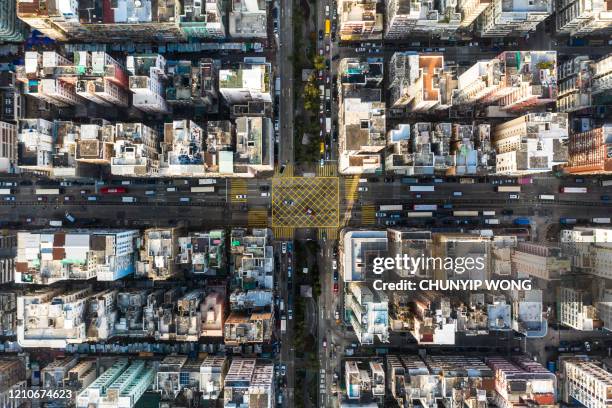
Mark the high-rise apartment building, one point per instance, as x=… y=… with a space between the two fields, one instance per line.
x=590 y=151
x=513 y=17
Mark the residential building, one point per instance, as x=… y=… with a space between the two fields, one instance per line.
x=539 y=261
x=522 y=380
x=515 y=81
x=576 y=309
x=175 y=374
x=604 y=309
x=249 y=383
x=587 y=383
x=8 y=147
x=183 y=149
x=212 y=377
x=254 y=147
x=517 y=17
x=8 y=313
x=157 y=260
x=147 y=74
x=203 y=253
x=120 y=386
x=405 y=18
x=253 y=258
x=247 y=328
x=48 y=256
x=193 y=83
x=470 y=10
x=248 y=19
x=368 y=312
x=69 y=372
x=533 y=143
x=247 y=83
x=136 y=150
x=420 y=82
x=584 y=83
x=359 y=20
x=197 y=22
x=13 y=381
x=11 y=98
x=361 y=116
x=55 y=317
x=432 y=322
x=579 y=18
x=11 y=28
x=8 y=250
x=364 y=381
x=589 y=151
x=181 y=318
x=528 y=313
x=95 y=21
x=357 y=253
x=590 y=250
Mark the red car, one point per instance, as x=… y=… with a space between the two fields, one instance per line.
x=113 y=190
x=335 y=287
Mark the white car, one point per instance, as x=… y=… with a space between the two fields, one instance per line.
x=362 y=189
x=284 y=247
x=334 y=264
x=514 y=196
x=241 y=196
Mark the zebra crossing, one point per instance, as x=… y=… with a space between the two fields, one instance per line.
x=368 y=214
x=238 y=191
x=327 y=170
x=351 y=186
x=283 y=233
x=257 y=218
x=285 y=170
x=328 y=233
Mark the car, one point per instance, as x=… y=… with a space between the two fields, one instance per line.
x=333 y=38
x=41 y=198
x=309 y=211
x=324 y=342
x=395 y=216
x=9 y=198
x=241 y=196
x=327 y=63
x=283 y=370
x=284 y=247
x=457 y=193
x=417 y=196
x=290 y=314
x=360 y=49
x=320 y=35
x=381 y=215
x=265 y=194
x=337 y=315
x=289 y=271
x=507 y=212
x=579 y=180
x=390 y=222
x=288 y=202
x=67 y=198
x=334 y=264
x=336 y=276
x=320 y=51
x=322 y=162
x=326 y=47
x=514 y=196
x=335 y=287
x=327 y=10
x=289 y=247
x=335 y=251
x=362 y=189
x=605 y=198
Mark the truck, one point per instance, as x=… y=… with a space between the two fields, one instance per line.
x=128 y=199
x=574 y=190
x=328 y=125
x=508 y=189
x=203 y=189
x=425 y=207
x=600 y=220
x=209 y=181
x=464 y=213
x=491 y=221
x=47 y=191
x=422 y=188
x=547 y=197
x=419 y=214
x=397 y=207
x=521 y=221
x=6 y=191
x=283 y=325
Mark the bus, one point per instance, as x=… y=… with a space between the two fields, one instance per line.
x=206 y=189
x=390 y=207
x=574 y=190
x=425 y=207
x=113 y=190
x=419 y=214
x=422 y=188
x=47 y=191
x=508 y=189
x=547 y=197
x=465 y=213
x=6 y=191
x=207 y=181
x=327 y=26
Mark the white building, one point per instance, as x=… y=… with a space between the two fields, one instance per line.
x=590 y=249
x=247 y=83
x=248 y=381
x=368 y=312
x=424 y=17
x=514 y=17
x=248 y=19
x=587 y=383
x=147 y=73
x=577 y=18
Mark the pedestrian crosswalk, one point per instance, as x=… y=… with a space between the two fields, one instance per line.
x=327 y=170
x=285 y=170
x=350 y=188
x=368 y=214
x=258 y=218
x=283 y=233
x=328 y=233
x=238 y=191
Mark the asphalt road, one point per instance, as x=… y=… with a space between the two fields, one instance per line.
x=286 y=74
